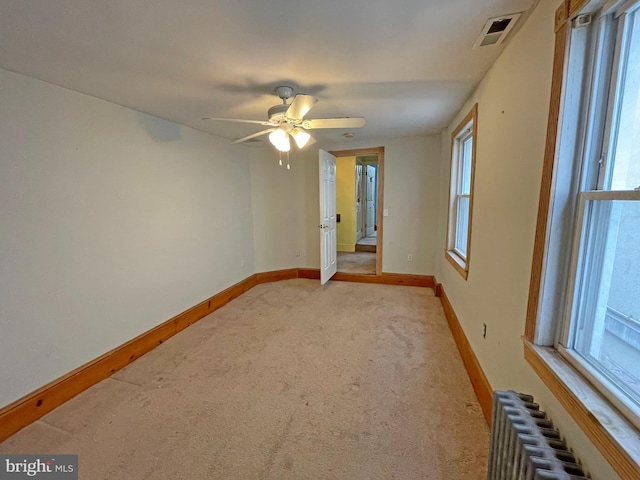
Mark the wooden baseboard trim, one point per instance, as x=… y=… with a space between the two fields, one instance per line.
x=30 y=408
x=388 y=279
x=277 y=275
x=33 y=406
x=481 y=385
x=408 y=280
x=309 y=273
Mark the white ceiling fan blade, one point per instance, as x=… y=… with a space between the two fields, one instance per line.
x=254 y=135
x=347 y=122
x=300 y=106
x=258 y=122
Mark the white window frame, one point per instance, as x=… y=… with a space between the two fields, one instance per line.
x=593 y=80
x=465 y=131
x=578 y=310
x=575 y=102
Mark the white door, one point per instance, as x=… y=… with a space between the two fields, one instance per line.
x=328 y=247
x=371 y=200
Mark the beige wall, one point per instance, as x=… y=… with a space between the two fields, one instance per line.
x=111 y=222
x=411 y=193
x=114 y=221
x=278 y=199
x=411 y=188
x=513 y=101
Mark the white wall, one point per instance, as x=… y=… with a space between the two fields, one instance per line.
x=411 y=194
x=278 y=203
x=411 y=188
x=286 y=205
x=111 y=222
x=513 y=101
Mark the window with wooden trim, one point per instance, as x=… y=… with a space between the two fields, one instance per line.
x=584 y=300
x=463 y=148
x=601 y=324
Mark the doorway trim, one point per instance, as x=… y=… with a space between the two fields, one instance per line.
x=379 y=151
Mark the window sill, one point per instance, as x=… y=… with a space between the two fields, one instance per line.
x=458 y=263
x=610 y=432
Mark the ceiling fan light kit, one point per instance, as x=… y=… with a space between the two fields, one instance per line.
x=280 y=139
x=287 y=119
x=301 y=137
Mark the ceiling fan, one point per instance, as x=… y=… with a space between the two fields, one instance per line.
x=287 y=120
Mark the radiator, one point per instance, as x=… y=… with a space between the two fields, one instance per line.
x=524 y=443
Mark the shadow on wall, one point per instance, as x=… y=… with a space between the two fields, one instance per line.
x=160 y=130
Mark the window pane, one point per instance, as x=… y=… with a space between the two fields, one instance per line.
x=626 y=166
x=608 y=302
x=465 y=178
x=462 y=225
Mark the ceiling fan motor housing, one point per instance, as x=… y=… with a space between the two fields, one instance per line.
x=277 y=112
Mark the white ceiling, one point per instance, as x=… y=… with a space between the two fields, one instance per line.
x=405 y=65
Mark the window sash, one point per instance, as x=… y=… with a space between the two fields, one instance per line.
x=462 y=200
x=464 y=165
x=592 y=156
x=585 y=307
x=585 y=301
x=624 y=25
x=578 y=107
x=462 y=203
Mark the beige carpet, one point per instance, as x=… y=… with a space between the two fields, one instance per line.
x=357 y=262
x=290 y=381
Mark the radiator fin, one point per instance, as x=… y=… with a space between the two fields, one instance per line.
x=524 y=443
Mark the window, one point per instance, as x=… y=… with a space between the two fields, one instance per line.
x=463 y=144
x=582 y=331
x=601 y=330
x=591 y=282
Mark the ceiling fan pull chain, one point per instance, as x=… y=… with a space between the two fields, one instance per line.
x=288 y=166
x=280 y=162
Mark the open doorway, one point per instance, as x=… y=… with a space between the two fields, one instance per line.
x=359 y=190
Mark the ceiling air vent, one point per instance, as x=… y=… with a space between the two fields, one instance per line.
x=496 y=30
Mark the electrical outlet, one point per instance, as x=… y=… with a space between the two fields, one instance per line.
x=410 y=257
x=242 y=263
x=385 y=212
x=304 y=253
